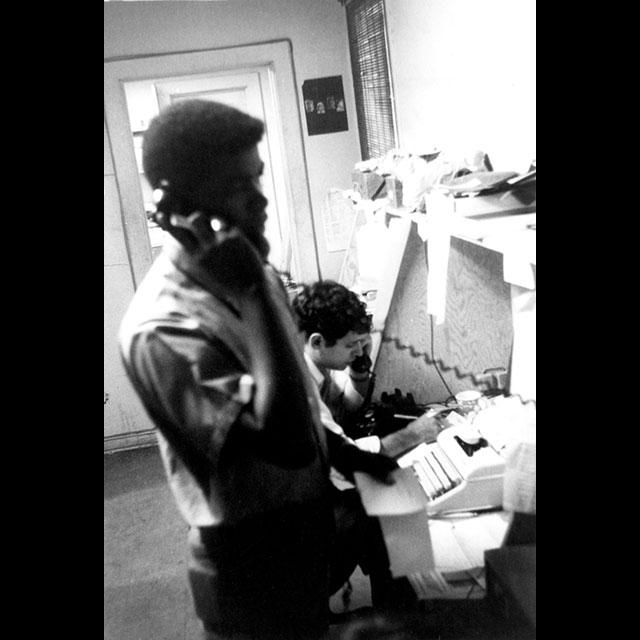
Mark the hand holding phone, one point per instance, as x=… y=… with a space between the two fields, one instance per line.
x=362 y=364
x=224 y=251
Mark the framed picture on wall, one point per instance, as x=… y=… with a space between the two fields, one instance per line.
x=324 y=105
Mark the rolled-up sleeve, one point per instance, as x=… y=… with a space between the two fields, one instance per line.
x=196 y=384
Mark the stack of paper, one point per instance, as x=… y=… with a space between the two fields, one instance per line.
x=429 y=552
x=402 y=511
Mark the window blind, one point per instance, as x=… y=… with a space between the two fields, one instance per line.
x=371 y=82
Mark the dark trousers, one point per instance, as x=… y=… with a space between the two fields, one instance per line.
x=266 y=578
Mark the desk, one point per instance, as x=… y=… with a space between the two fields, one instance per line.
x=503 y=610
x=459 y=545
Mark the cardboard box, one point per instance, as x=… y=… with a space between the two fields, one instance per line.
x=367 y=184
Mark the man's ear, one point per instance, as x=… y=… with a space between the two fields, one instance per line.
x=316 y=340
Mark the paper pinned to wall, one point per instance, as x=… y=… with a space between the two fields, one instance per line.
x=338 y=216
x=438 y=260
x=523 y=359
x=364 y=235
x=435 y=229
x=518 y=270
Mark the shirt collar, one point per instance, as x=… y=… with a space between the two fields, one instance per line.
x=316 y=374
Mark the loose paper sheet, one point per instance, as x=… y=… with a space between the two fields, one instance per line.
x=520 y=478
x=458 y=545
x=401 y=510
x=417 y=544
x=408 y=543
x=404 y=497
x=338 y=214
x=435 y=229
x=523 y=365
x=518 y=270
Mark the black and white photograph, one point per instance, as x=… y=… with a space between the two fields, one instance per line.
x=324 y=105
x=320 y=320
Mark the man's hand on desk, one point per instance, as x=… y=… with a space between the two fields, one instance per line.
x=422 y=429
x=350 y=458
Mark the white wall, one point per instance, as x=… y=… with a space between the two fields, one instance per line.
x=464 y=76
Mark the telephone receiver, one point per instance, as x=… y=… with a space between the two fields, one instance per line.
x=192 y=230
x=361 y=364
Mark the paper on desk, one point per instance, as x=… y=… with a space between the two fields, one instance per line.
x=408 y=543
x=459 y=542
x=520 y=478
x=458 y=546
x=404 y=497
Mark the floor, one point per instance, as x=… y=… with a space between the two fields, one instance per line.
x=146 y=595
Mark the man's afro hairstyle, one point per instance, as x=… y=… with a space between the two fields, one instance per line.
x=187 y=141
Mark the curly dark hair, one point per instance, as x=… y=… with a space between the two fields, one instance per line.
x=186 y=142
x=330 y=309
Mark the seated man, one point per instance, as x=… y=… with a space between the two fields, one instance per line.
x=336 y=332
x=337 y=337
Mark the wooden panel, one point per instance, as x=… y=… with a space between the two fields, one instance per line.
x=476 y=335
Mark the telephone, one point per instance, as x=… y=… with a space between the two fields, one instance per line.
x=190 y=230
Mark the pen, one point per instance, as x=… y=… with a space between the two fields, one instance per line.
x=401 y=416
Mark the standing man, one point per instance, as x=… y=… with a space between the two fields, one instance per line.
x=210 y=348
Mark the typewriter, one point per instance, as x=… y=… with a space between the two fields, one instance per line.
x=460 y=471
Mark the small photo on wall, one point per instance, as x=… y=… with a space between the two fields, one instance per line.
x=324 y=105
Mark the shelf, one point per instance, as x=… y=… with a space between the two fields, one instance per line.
x=511 y=233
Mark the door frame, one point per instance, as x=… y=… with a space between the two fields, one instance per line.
x=277 y=56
